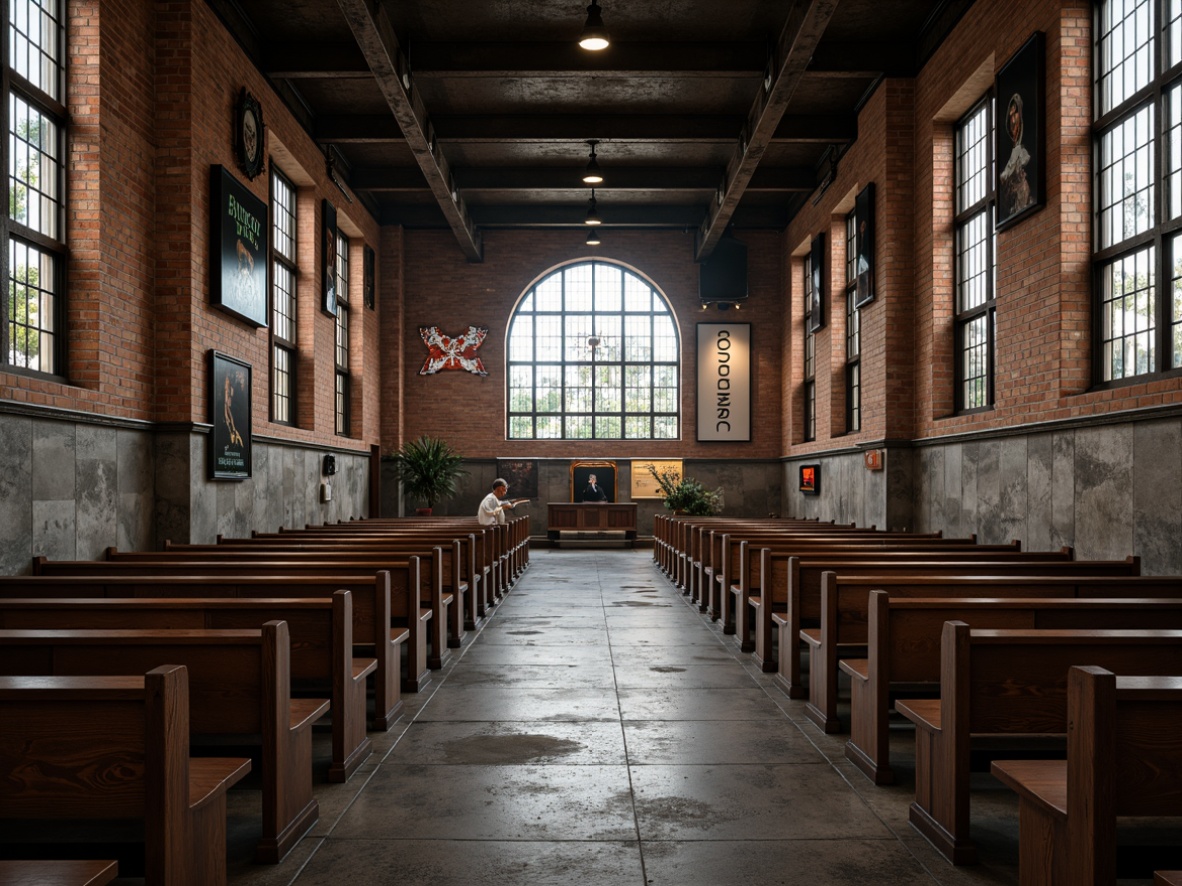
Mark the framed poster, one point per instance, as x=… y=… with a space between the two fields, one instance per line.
x=864 y=246
x=724 y=382
x=581 y=473
x=238 y=279
x=1018 y=134
x=810 y=479
x=229 y=399
x=644 y=484
x=368 y=268
x=817 y=297
x=328 y=241
x=521 y=475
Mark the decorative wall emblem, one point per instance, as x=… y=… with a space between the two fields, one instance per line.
x=248 y=134
x=458 y=352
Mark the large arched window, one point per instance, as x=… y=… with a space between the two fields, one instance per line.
x=593 y=355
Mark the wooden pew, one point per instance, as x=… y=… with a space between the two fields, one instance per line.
x=999 y=683
x=804 y=591
x=57 y=873
x=385 y=602
x=239 y=685
x=115 y=748
x=287 y=562
x=460 y=576
x=320 y=628
x=845 y=608
x=1167 y=878
x=903 y=640
x=1124 y=758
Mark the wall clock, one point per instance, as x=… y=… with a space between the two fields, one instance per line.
x=248 y=126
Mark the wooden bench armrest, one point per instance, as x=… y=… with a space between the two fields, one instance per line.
x=425 y=614
x=57 y=873
x=779 y=616
x=306 y=711
x=399 y=635
x=857 y=668
x=811 y=636
x=755 y=601
x=1043 y=782
x=1167 y=878
x=210 y=777
x=363 y=667
x=923 y=712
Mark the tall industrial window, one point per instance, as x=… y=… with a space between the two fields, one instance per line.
x=342 y=337
x=283 y=298
x=593 y=355
x=973 y=260
x=810 y=364
x=33 y=334
x=853 y=329
x=1138 y=187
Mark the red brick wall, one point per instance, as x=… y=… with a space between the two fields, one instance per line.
x=441 y=288
x=152 y=90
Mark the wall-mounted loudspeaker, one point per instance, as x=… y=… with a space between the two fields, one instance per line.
x=330 y=465
x=722 y=277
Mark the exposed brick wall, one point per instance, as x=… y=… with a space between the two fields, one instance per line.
x=441 y=288
x=152 y=90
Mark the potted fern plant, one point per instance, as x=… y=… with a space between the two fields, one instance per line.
x=685 y=495
x=428 y=469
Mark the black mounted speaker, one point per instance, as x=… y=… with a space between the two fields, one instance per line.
x=330 y=465
x=722 y=278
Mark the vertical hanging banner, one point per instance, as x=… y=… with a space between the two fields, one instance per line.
x=724 y=382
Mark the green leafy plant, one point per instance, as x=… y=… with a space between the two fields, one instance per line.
x=428 y=469
x=685 y=495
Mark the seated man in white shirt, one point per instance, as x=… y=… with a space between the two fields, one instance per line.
x=493 y=507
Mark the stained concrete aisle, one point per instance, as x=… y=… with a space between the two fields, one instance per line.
x=599 y=730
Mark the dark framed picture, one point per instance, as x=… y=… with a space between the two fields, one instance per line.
x=864 y=246
x=368 y=280
x=230 y=415
x=238 y=278
x=248 y=134
x=522 y=476
x=810 y=479
x=328 y=241
x=604 y=473
x=1018 y=151
x=817 y=263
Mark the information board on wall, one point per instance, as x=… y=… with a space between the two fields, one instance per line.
x=644 y=484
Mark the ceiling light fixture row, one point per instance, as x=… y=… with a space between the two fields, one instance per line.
x=594 y=36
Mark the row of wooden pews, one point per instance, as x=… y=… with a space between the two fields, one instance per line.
x=260 y=631
x=982 y=636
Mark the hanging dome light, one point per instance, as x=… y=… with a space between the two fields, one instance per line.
x=594 y=36
x=592 y=215
x=593 y=237
x=592 y=175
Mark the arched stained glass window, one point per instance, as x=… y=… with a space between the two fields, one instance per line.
x=593 y=355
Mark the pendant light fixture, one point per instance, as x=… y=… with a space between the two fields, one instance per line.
x=594 y=35
x=593 y=237
x=592 y=215
x=592 y=175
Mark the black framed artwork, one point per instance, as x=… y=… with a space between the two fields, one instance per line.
x=522 y=476
x=230 y=416
x=238 y=278
x=367 y=262
x=248 y=134
x=864 y=246
x=817 y=263
x=1018 y=134
x=605 y=479
x=810 y=479
x=328 y=239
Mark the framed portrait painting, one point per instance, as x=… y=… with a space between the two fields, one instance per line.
x=328 y=302
x=864 y=246
x=817 y=290
x=581 y=473
x=521 y=475
x=1018 y=133
x=229 y=398
x=238 y=278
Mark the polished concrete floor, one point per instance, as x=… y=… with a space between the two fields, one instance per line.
x=599 y=731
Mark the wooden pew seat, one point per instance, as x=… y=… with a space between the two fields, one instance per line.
x=1124 y=758
x=57 y=873
x=117 y=748
x=239 y=686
